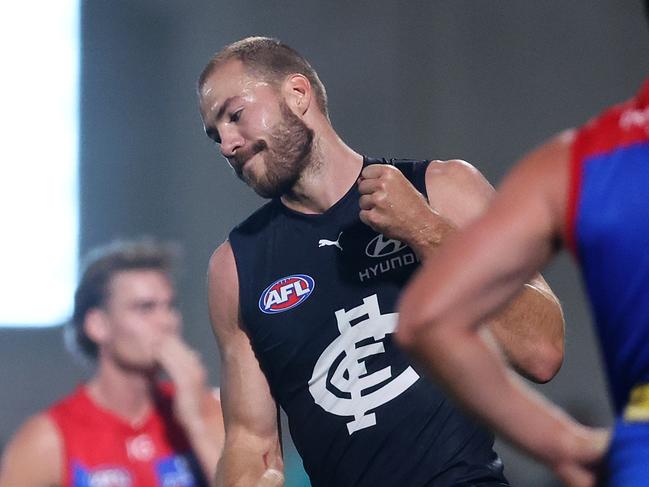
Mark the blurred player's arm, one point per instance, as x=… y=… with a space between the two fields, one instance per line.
x=531 y=330
x=34 y=456
x=252 y=454
x=474 y=277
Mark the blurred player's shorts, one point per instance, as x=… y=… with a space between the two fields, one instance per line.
x=628 y=457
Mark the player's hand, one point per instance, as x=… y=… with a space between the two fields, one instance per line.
x=584 y=466
x=391 y=205
x=188 y=375
x=271 y=478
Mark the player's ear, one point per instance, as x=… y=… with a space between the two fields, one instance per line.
x=96 y=325
x=298 y=93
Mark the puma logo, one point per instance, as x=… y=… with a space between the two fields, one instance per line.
x=323 y=242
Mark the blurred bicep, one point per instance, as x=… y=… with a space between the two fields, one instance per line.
x=33 y=457
x=523 y=226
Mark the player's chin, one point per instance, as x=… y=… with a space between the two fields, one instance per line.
x=267 y=188
x=142 y=364
x=250 y=174
x=148 y=368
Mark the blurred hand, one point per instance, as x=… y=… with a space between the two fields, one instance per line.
x=185 y=370
x=391 y=205
x=583 y=467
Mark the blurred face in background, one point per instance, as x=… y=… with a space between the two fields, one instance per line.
x=140 y=311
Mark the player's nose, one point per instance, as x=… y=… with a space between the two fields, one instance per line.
x=231 y=141
x=169 y=320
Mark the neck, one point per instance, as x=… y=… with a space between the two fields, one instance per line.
x=128 y=394
x=333 y=170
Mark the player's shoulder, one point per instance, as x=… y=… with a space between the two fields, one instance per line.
x=556 y=149
x=450 y=167
x=34 y=455
x=453 y=172
x=38 y=437
x=223 y=288
x=549 y=160
x=221 y=258
x=457 y=190
x=541 y=178
x=222 y=275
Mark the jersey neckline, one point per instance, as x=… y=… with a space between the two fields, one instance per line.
x=133 y=427
x=341 y=203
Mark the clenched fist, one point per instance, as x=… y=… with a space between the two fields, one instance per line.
x=391 y=205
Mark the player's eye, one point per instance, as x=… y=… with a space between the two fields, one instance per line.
x=234 y=117
x=145 y=307
x=213 y=134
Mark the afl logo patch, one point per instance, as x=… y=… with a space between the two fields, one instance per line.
x=286 y=293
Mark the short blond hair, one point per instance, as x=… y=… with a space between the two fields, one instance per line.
x=270 y=60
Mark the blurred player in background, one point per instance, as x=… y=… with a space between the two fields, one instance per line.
x=587 y=189
x=125 y=426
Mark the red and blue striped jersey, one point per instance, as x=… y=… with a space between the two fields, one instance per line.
x=608 y=231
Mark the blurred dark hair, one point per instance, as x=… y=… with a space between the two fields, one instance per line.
x=101 y=264
x=269 y=59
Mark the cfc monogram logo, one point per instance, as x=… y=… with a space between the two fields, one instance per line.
x=352 y=391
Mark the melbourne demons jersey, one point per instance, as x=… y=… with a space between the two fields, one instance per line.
x=608 y=230
x=318 y=295
x=102 y=450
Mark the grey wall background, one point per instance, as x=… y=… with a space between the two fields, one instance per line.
x=479 y=80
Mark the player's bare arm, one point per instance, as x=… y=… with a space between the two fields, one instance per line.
x=252 y=444
x=196 y=406
x=443 y=310
x=530 y=331
x=34 y=456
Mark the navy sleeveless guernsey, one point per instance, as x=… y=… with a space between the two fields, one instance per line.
x=318 y=295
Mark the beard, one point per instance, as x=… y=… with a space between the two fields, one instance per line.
x=287 y=155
